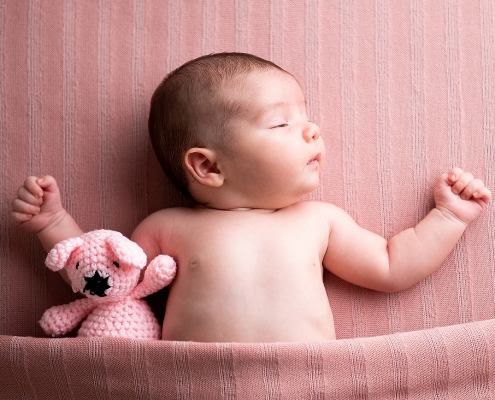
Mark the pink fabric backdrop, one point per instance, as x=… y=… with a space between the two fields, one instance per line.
x=402 y=91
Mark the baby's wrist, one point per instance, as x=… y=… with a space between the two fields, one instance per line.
x=55 y=221
x=61 y=226
x=449 y=215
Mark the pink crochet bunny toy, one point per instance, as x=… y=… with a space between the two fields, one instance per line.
x=105 y=266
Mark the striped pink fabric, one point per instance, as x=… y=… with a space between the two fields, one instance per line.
x=454 y=362
x=402 y=91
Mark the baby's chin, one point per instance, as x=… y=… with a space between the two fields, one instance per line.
x=312 y=185
x=305 y=193
x=310 y=195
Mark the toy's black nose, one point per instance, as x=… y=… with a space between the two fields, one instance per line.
x=96 y=284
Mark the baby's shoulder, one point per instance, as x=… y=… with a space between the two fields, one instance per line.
x=166 y=214
x=317 y=208
x=321 y=212
x=154 y=233
x=161 y=221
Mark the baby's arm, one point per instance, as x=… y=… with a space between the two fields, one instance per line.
x=149 y=232
x=366 y=259
x=38 y=209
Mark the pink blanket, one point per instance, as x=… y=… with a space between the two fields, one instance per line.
x=455 y=362
x=402 y=91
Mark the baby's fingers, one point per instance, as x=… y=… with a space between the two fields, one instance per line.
x=22 y=212
x=22 y=207
x=461 y=182
x=484 y=194
x=30 y=196
x=48 y=184
x=32 y=186
x=474 y=186
x=18 y=218
x=454 y=175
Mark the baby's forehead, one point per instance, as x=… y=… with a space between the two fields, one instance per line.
x=252 y=79
x=254 y=82
x=257 y=89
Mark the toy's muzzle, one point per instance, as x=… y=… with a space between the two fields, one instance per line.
x=96 y=284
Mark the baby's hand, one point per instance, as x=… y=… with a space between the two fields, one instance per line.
x=460 y=195
x=37 y=204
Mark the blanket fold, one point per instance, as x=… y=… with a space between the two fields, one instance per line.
x=449 y=362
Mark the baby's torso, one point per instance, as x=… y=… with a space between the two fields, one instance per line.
x=248 y=276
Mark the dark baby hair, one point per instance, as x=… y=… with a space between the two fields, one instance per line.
x=188 y=108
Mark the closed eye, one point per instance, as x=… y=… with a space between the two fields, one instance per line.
x=281 y=126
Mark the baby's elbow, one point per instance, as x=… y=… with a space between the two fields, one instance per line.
x=395 y=283
x=390 y=281
x=393 y=287
x=387 y=286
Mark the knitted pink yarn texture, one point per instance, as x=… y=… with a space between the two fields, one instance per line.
x=105 y=266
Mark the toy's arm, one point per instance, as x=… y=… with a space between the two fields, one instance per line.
x=159 y=273
x=59 y=320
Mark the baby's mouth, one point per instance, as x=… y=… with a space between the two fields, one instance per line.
x=315 y=159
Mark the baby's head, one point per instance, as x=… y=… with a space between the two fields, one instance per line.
x=201 y=116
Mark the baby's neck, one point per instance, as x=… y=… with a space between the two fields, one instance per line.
x=254 y=210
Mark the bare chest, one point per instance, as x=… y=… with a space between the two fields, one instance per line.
x=254 y=241
x=254 y=273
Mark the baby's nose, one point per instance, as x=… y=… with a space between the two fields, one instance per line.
x=311 y=131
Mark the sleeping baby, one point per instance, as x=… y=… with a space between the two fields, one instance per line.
x=231 y=131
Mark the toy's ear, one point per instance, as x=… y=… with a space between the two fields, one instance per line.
x=58 y=256
x=127 y=251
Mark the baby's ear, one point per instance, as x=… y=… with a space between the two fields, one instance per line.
x=58 y=256
x=203 y=166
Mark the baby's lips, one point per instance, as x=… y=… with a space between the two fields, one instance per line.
x=316 y=158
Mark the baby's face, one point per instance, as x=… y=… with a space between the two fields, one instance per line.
x=276 y=154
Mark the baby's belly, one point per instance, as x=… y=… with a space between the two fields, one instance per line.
x=242 y=312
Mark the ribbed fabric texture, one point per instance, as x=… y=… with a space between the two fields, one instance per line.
x=402 y=91
x=454 y=362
